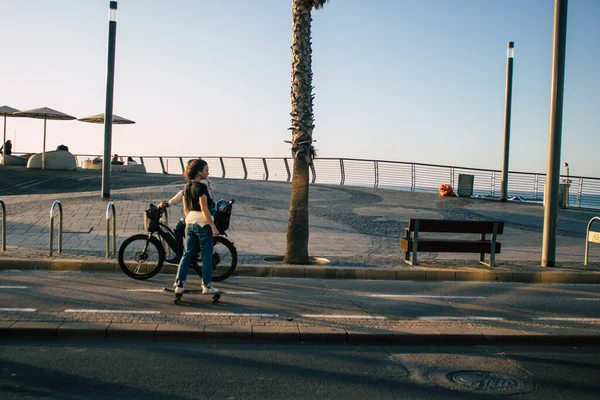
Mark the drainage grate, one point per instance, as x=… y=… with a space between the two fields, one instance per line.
x=488 y=382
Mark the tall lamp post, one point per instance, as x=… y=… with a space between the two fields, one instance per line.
x=108 y=111
x=557 y=84
x=510 y=55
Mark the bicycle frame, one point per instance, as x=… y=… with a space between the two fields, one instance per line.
x=167 y=234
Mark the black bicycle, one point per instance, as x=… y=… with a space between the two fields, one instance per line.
x=142 y=256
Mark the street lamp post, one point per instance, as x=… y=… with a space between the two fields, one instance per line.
x=108 y=111
x=507 y=113
x=557 y=84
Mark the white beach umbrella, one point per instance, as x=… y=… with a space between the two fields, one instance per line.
x=44 y=113
x=99 y=119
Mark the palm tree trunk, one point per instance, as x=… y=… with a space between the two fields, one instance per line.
x=302 y=127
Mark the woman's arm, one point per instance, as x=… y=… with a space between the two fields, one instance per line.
x=206 y=213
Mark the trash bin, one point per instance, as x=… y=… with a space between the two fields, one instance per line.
x=562 y=198
x=465 y=184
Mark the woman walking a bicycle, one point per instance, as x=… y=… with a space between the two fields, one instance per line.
x=200 y=228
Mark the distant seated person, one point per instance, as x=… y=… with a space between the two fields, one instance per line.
x=131 y=161
x=62 y=147
x=97 y=160
x=7 y=147
x=115 y=160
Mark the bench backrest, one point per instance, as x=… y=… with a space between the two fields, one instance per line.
x=445 y=225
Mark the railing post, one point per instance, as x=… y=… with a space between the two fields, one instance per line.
x=579 y=190
x=60 y=223
x=3 y=225
x=162 y=165
x=245 y=169
x=287 y=169
x=111 y=213
x=493 y=184
x=142 y=161
x=342 y=172
x=452 y=177
x=222 y=167
x=413 y=177
x=376 y=173
x=181 y=163
x=314 y=173
x=266 y=169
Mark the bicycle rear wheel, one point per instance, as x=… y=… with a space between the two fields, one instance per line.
x=224 y=260
x=141 y=257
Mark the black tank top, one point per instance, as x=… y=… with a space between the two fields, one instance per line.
x=192 y=191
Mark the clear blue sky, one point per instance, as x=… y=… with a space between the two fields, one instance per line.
x=407 y=80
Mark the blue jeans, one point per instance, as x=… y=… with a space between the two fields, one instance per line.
x=197 y=237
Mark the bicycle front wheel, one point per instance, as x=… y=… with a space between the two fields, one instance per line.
x=224 y=260
x=141 y=257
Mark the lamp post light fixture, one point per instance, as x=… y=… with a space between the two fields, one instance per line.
x=108 y=111
x=510 y=55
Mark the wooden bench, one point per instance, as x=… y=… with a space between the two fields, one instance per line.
x=412 y=243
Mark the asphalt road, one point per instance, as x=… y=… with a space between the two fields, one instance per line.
x=115 y=294
x=184 y=371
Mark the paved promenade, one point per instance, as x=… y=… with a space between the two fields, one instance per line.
x=358 y=229
x=351 y=226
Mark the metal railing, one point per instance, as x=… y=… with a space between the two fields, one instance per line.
x=528 y=186
x=590 y=236
x=3 y=207
x=111 y=214
x=60 y=225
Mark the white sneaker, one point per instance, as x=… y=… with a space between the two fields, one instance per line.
x=209 y=289
x=179 y=286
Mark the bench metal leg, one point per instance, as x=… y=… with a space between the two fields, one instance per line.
x=482 y=255
x=407 y=253
x=492 y=249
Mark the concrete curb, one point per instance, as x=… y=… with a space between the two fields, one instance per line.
x=328 y=272
x=261 y=334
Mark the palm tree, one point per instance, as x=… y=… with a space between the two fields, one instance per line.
x=302 y=127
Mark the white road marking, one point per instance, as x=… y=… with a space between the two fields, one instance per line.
x=14 y=287
x=342 y=316
x=209 y=314
x=423 y=296
x=441 y=318
x=112 y=311
x=588 y=298
x=567 y=319
x=144 y=290
x=17 y=309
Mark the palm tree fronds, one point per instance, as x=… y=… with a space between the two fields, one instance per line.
x=319 y=3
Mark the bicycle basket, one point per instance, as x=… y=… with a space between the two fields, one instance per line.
x=223 y=215
x=151 y=217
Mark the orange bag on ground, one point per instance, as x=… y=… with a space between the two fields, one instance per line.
x=446 y=190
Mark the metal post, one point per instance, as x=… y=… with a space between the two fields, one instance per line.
x=245 y=169
x=108 y=111
x=507 y=114
x=3 y=225
x=4 y=144
x=266 y=169
x=287 y=169
x=111 y=214
x=555 y=132
x=60 y=224
x=44 y=147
